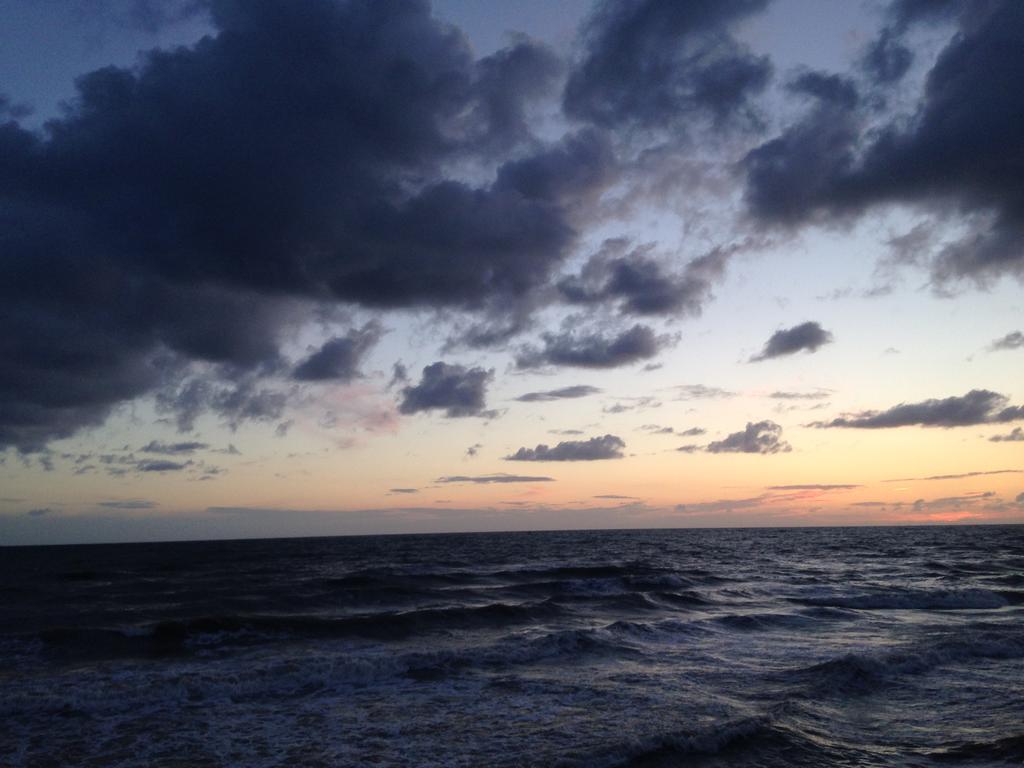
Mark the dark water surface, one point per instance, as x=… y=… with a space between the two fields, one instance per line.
x=810 y=647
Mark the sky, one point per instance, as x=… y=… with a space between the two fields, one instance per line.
x=317 y=267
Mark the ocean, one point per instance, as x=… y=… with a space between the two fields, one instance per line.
x=738 y=647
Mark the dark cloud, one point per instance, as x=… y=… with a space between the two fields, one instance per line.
x=886 y=58
x=658 y=64
x=979 y=406
x=170 y=449
x=192 y=209
x=1014 y=340
x=403 y=490
x=760 y=437
x=39 y=512
x=128 y=504
x=593 y=350
x=161 y=465
x=953 y=156
x=578 y=390
x=693 y=432
x=338 y=358
x=594 y=449
x=640 y=284
x=834 y=89
x=804 y=337
x=688 y=448
x=456 y=390
x=615 y=496
x=1016 y=435
x=496 y=478
x=812 y=487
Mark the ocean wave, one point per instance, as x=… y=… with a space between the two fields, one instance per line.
x=212 y=632
x=1006 y=750
x=863 y=672
x=759 y=739
x=935 y=600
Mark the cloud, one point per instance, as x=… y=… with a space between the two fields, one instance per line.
x=701 y=392
x=761 y=437
x=819 y=395
x=292 y=159
x=594 y=449
x=496 y=478
x=633 y=404
x=593 y=350
x=812 y=487
x=949 y=157
x=804 y=337
x=403 y=490
x=173 y=449
x=128 y=504
x=660 y=64
x=338 y=358
x=1016 y=435
x=456 y=390
x=39 y=512
x=565 y=393
x=960 y=476
x=979 y=406
x=161 y=466
x=688 y=448
x=692 y=432
x=639 y=284
x=1014 y=340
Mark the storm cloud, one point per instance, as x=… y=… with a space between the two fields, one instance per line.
x=640 y=284
x=979 y=406
x=953 y=155
x=454 y=389
x=594 y=449
x=661 y=64
x=292 y=157
x=806 y=337
x=760 y=437
x=338 y=358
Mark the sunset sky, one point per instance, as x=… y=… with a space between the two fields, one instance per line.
x=276 y=268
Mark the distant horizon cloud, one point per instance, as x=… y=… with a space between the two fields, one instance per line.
x=494 y=478
x=594 y=449
x=979 y=406
x=813 y=487
x=128 y=504
x=959 y=476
